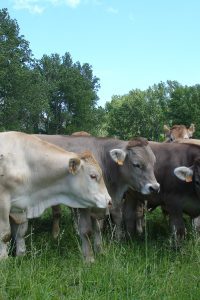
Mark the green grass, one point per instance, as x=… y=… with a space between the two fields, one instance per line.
x=146 y=268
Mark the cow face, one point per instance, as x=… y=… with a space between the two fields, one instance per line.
x=136 y=164
x=178 y=132
x=190 y=174
x=89 y=185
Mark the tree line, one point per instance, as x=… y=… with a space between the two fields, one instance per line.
x=55 y=95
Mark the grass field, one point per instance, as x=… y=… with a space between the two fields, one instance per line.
x=147 y=268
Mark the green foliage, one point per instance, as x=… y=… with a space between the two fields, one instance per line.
x=136 y=114
x=52 y=95
x=23 y=98
x=71 y=90
x=145 y=112
x=56 y=95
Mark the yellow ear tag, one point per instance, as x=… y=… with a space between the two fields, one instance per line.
x=188 y=178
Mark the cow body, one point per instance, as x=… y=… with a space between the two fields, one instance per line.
x=35 y=175
x=176 y=197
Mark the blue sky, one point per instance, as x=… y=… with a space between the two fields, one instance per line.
x=130 y=44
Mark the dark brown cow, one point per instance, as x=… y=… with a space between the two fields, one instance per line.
x=196 y=221
x=176 y=197
x=176 y=132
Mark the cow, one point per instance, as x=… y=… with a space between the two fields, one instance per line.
x=35 y=174
x=178 y=132
x=81 y=133
x=176 y=197
x=196 y=221
x=124 y=164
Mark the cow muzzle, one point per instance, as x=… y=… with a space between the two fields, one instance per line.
x=151 y=188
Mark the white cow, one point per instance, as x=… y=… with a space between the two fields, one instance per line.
x=35 y=174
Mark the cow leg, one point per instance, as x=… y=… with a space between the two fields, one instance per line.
x=116 y=215
x=56 y=212
x=85 y=231
x=96 y=226
x=178 y=228
x=5 y=232
x=18 y=233
x=133 y=217
x=140 y=218
x=196 y=224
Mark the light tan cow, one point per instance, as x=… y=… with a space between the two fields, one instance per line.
x=178 y=132
x=35 y=174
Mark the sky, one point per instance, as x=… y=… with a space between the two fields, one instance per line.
x=129 y=43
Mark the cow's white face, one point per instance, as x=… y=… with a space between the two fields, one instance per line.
x=190 y=174
x=88 y=184
x=137 y=168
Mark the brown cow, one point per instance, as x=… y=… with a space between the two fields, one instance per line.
x=172 y=134
x=81 y=133
x=178 y=132
x=175 y=197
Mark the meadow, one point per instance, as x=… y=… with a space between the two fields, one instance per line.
x=146 y=268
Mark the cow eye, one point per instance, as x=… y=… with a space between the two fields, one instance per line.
x=93 y=176
x=136 y=165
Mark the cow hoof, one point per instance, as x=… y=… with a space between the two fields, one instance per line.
x=20 y=248
x=3 y=251
x=20 y=253
x=89 y=260
x=98 y=249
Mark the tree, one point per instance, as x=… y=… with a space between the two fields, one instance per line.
x=22 y=100
x=71 y=92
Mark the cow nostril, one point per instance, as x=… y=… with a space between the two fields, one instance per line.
x=109 y=203
x=154 y=189
x=151 y=189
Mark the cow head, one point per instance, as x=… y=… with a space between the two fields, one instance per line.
x=88 y=184
x=190 y=174
x=136 y=163
x=178 y=132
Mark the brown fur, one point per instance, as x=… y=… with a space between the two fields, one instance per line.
x=137 y=142
x=81 y=133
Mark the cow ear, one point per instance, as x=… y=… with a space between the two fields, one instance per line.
x=166 y=129
x=184 y=173
x=191 y=130
x=74 y=165
x=118 y=155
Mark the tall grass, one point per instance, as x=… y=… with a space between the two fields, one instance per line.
x=146 y=268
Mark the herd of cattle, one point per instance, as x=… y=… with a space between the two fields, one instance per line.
x=99 y=176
